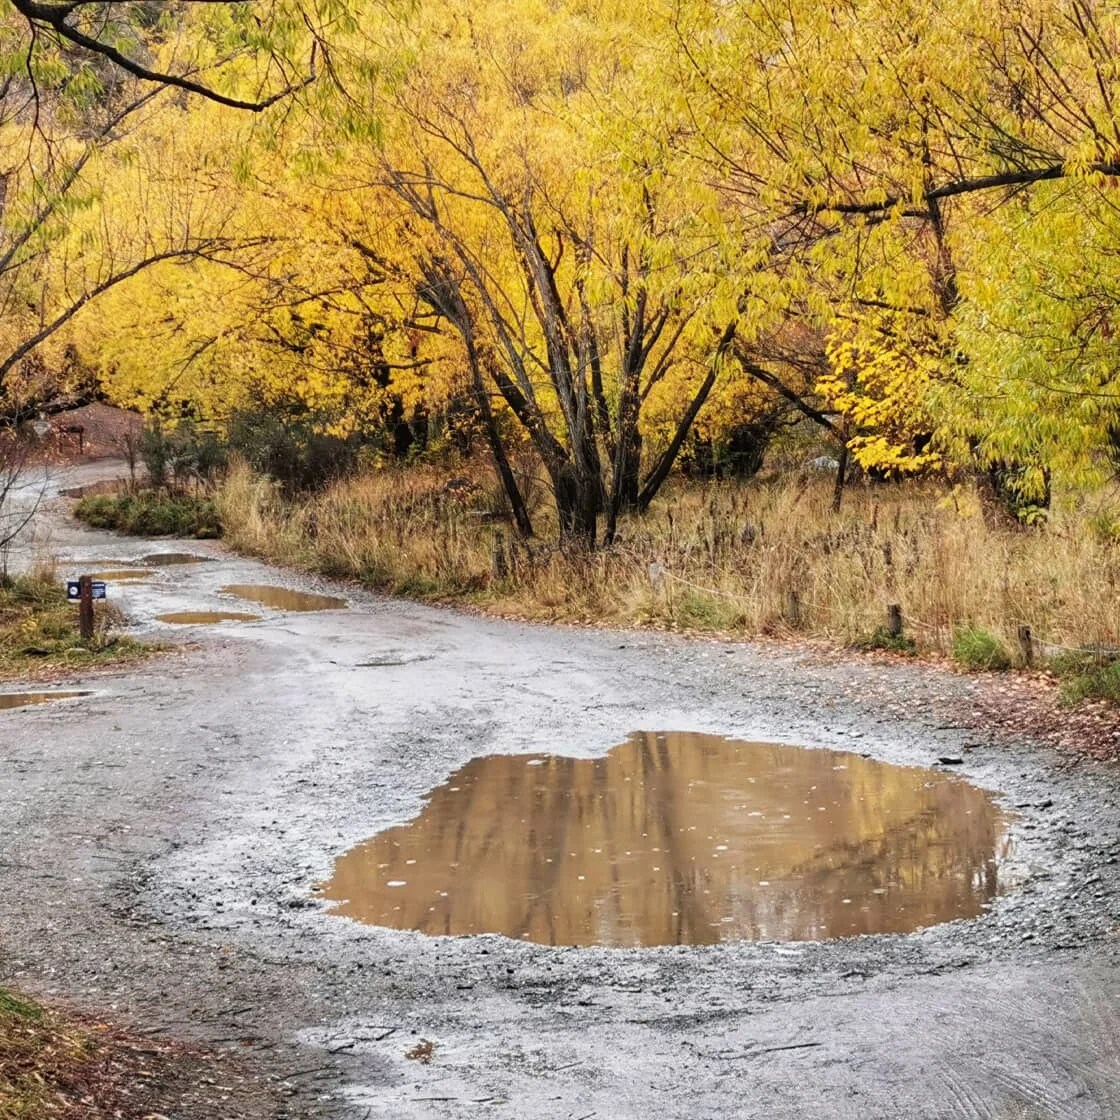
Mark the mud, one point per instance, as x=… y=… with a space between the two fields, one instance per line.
x=284 y=598
x=9 y=700
x=205 y=618
x=172 y=559
x=681 y=839
x=161 y=843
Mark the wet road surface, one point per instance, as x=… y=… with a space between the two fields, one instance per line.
x=162 y=840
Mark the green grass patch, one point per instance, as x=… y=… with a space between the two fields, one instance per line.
x=32 y=1046
x=152 y=513
x=976 y=648
x=1086 y=676
x=699 y=611
x=13 y=1007
x=882 y=638
x=39 y=629
x=59 y=1065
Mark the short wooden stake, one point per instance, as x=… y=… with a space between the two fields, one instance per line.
x=894 y=620
x=85 y=607
x=500 y=562
x=793 y=609
x=1026 y=646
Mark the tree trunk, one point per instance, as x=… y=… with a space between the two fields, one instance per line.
x=578 y=501
x=497 y=450
x=841 y=477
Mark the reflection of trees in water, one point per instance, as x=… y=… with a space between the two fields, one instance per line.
x=668 y=838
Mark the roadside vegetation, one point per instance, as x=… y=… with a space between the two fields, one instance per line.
x=151 y=513
x=763 y=557
x=39 y=630
x=45 y=1064
x=57 y=1066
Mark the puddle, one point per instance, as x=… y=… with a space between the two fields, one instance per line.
x=284 y=599
x=681 y=838
x=167 y=559
x=123 y=575
x=83 y=566
x=388 y=660
x=22 y=699
x=205 y=618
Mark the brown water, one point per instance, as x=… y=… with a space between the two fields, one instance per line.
x=681 y=838
x=123 y=575
x=168 y=559
x=84 y=567
x=204 y=618
x=284 y=599
x=22 y=699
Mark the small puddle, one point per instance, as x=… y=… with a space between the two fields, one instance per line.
x=167 y=559
x=679 y=838
x=282 y=598
x=205 y=618
x=22 y=699
x=83 y=566
x=123 y=575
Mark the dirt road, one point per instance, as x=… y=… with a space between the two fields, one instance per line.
x=160 y=841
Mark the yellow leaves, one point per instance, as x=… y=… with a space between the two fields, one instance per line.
x=878 y=380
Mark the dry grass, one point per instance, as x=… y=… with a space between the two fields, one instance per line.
x=718 y=557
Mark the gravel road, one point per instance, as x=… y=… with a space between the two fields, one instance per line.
x=160 y=841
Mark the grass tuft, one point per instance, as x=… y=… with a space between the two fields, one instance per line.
x=1087 y=677
x=975 y=648
x=882 y=639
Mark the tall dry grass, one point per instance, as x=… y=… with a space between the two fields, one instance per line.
x=717 y=556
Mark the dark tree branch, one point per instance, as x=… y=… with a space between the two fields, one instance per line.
x=53 y=16
x=957 y=187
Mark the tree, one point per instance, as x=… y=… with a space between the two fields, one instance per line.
x=547 y=222
x=872 y=156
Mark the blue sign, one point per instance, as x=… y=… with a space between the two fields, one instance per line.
x=74 y=589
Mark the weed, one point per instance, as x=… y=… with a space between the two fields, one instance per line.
x=976 y=648
x=882 y=638
x=1088 y=678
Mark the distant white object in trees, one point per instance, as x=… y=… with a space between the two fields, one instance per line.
x=824 y=463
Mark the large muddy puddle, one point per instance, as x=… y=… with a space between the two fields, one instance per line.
x=681 y=838
x=282 y=598
x=23 y=699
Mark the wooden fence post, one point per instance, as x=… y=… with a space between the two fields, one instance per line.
x=793 y=609
x=85 y=607
x=894 y=620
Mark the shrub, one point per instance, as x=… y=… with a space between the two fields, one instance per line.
x=174 y=457
x=882 y=638
x=289 y=445
x=975 y=648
